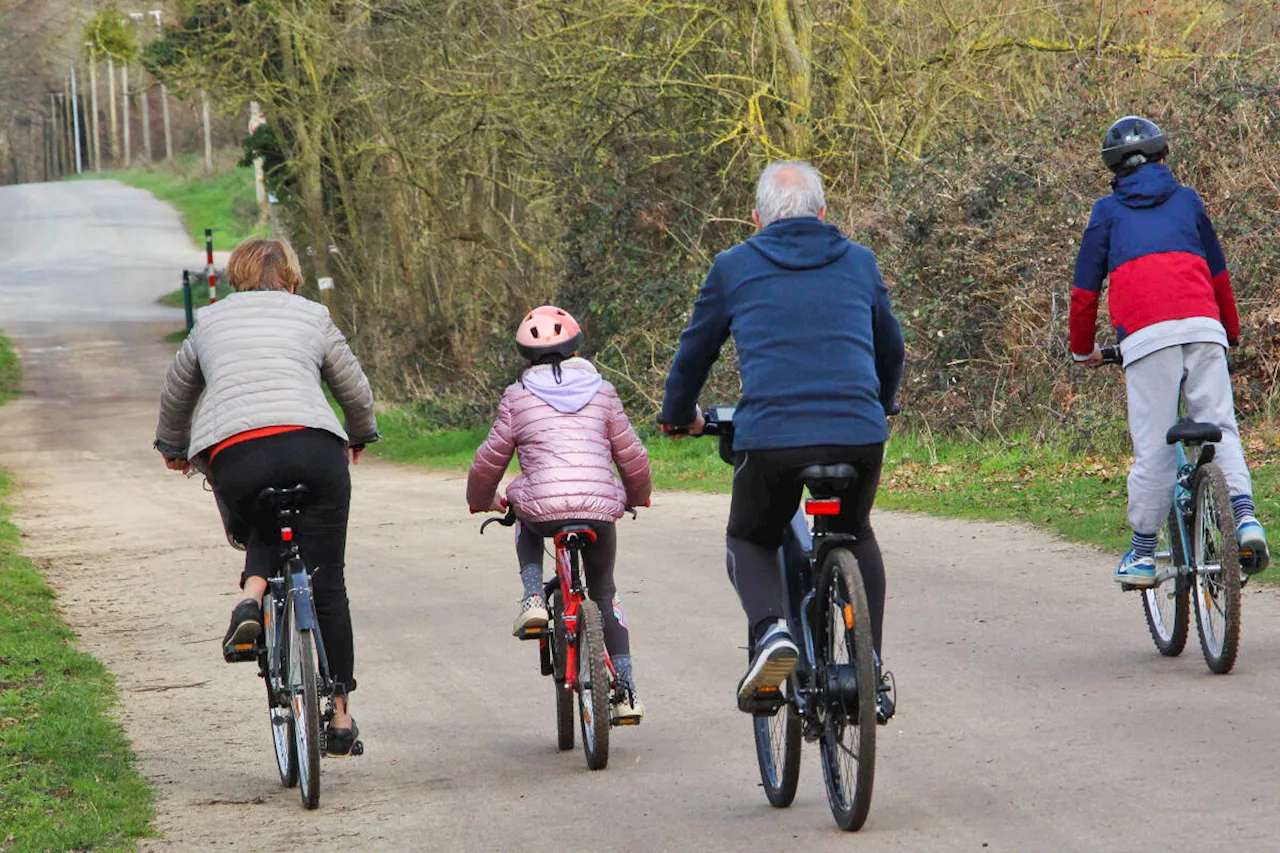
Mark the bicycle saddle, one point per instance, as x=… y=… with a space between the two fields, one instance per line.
x=1192 y=432
x=576 y=535
x=283 y=498
x=827 y=480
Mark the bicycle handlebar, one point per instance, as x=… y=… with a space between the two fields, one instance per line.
x=510 y=519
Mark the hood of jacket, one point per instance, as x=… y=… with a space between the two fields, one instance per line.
x=567 y=390
x=802 y=243
x=1150 y=185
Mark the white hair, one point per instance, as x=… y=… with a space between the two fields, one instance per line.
x=788 y=188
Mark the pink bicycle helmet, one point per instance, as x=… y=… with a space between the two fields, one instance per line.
x=548 y=331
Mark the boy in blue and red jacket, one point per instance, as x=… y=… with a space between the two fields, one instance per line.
x=1174 y=313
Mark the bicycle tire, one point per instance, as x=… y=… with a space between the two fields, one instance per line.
x=1218 y=592
x=305 y=703
x=844 y=649
x=593 y=686
x=778 y=745
x=1167 y=605
x=564 y=698
x=279 y=714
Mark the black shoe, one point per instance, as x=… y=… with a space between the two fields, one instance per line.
x=246 y=625
x=341 y=743
x=775 y=659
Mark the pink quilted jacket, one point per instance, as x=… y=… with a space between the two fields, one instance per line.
x=568 y=430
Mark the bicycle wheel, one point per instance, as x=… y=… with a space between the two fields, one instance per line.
x=847 y=678
x=282 y=735
x=305 y=701
x=593 y=686
x=1217 y=568
x=1167 y=604
x=778 y=750
x=564 y=698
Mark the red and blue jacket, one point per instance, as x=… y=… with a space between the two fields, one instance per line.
x=1154 y=239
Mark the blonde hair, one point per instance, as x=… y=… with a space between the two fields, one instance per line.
x=264 y=265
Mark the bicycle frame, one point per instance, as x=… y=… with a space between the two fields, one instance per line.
x=290 y=589
x=569 y=577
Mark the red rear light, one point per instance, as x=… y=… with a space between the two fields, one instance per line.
x=827 y=506
x=286 y=534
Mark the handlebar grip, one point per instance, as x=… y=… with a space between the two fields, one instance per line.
x=1111 y=355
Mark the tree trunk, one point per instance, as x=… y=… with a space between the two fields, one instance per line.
x=113 y=125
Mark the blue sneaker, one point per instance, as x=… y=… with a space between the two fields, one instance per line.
x=775 y=658
x=1136 y=571
x=1253 y=538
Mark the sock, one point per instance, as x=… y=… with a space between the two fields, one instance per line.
x=1144 y=545
x=1242 y=505
x=622 y=663
x=531 y=577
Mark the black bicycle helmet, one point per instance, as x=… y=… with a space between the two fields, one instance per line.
x=1132 y=141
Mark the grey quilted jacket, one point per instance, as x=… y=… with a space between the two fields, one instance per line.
x=257 y=359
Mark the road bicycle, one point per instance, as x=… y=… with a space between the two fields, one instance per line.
x=832 y=695
x=291 y=658
x=571 y=647
x=1196 y=552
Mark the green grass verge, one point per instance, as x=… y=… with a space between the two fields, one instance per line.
x=1049 y=484
x=66 y=779
x=199 y=296
x=224 y=201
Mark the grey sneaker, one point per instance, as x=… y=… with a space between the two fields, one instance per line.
x=774 y=661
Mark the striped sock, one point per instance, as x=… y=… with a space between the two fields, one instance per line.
x=1242 y=505
x=1144 y=545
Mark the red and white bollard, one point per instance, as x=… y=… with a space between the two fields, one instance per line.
x=213 y=280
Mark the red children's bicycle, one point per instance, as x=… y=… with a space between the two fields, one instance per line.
x=572 y=649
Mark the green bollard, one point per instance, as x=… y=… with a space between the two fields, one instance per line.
x=186 y=300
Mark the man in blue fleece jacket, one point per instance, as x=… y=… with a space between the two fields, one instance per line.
x=820 y=355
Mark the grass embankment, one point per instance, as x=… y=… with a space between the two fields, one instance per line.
x=1049 y=484
x=66 y=782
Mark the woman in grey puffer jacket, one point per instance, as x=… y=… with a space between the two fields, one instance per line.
x=569 y=429
x=244 y=404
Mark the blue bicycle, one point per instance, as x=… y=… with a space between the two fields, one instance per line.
x=1196 y=552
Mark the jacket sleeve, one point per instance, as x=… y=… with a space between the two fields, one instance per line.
x=1222 y=291
x=341 y=372
x=699 y=348
x=182 y=388
x=491 y=460
x=891 y=349
x=629 y=454
x=1091 y=269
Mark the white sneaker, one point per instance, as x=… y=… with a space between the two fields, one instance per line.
x=628 y=711
x=533 y=616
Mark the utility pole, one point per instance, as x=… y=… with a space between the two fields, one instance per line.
x=93 y=101
x=75 y=118
x=164 y=95
x=111 y=111
x=143 y=98
x=124 y=100
x=55 y=139
x=208 y=133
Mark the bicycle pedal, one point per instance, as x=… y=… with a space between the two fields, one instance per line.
x=532 y=634
x=240 y=653
x=626 y=721
x=357 y=748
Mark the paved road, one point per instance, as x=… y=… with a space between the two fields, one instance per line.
x=1034 y=713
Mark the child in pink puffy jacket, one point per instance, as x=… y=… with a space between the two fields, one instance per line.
x=568 y=428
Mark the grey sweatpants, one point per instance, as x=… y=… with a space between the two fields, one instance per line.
x=1153 y=383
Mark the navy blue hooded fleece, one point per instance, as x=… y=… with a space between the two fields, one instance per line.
x=819 y=349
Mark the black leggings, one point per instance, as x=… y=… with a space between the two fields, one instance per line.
x=597 y=567
x=317 y=459
x=766 y=494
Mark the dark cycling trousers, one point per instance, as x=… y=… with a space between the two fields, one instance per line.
x=597 y=570
x=766 y=494
x=316 y=459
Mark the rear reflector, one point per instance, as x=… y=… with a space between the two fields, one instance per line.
x=829 y=506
